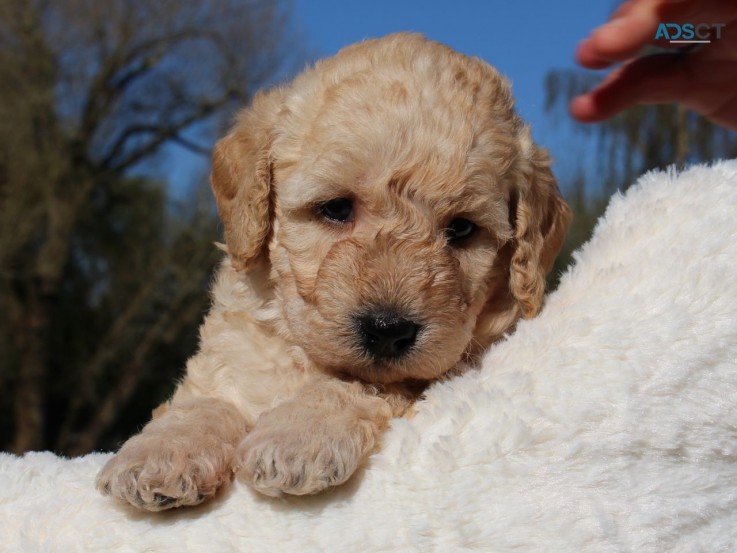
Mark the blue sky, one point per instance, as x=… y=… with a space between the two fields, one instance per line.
x=524 y=39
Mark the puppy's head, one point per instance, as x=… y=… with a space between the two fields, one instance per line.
x=402 y=211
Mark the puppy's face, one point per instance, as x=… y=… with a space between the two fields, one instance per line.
x=403 y=213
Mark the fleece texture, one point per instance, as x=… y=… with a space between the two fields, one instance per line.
x=606 y=424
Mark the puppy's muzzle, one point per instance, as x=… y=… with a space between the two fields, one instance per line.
x=386 y=334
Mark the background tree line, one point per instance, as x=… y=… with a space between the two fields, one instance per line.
x=103 y=276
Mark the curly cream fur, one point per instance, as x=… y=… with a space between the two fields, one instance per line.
x=281 y=391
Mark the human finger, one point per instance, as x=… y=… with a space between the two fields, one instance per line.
x=649 y=80
x=633 y=26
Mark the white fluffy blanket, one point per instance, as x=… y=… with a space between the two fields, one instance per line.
x=609 y=423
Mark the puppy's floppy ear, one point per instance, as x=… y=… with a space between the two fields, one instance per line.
x=540 y=219
x=241 y=180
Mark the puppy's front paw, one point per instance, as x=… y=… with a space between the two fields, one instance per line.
x=289 y=463
x=153 y=473
x=297 y=451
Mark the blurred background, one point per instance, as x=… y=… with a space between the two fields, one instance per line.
x=108 y=112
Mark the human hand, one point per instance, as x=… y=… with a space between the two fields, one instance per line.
x=703 y=79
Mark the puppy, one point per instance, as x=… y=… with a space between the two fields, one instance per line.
x=387 y=217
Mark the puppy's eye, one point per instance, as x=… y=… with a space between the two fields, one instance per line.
x=339 y=210
x=459 y=230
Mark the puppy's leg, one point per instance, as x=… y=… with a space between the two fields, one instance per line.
x=182 y=457
x=313 y=441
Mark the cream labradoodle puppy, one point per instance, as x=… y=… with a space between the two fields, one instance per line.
x=387 y=217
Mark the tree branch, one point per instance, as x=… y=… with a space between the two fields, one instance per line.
x=192 y=146
x=161 y=135
x=113 y=80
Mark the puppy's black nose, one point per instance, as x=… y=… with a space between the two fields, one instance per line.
x=386 y=333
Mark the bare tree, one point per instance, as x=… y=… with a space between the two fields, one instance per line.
x=91 y=90
x=641 y=138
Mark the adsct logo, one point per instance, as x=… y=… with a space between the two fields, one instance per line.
x=689 y=33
